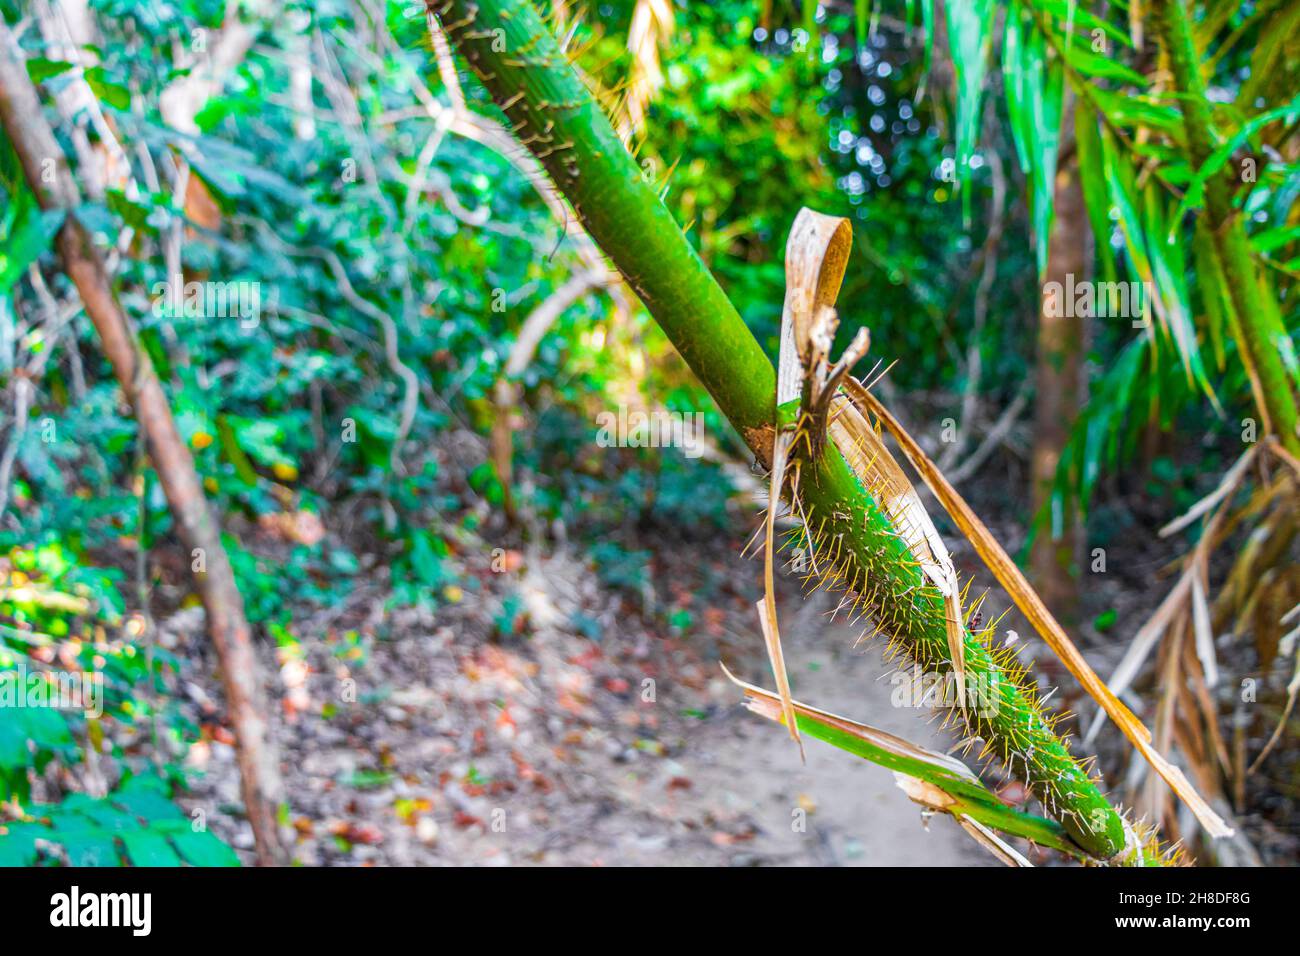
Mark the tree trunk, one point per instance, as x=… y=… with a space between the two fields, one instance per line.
x=1055 y=559
x=50 y=179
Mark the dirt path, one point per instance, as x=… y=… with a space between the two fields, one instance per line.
x=857 y=815
x=437 y=742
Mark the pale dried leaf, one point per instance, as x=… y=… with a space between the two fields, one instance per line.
x=767 y=606
x=936 y=799
x=1204 y=630
x=816 y=255
x=1231 y=478
x=993 y=843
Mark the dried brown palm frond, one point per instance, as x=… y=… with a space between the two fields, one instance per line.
x=1032 y=606
x=1256 y=596
x=652 y=26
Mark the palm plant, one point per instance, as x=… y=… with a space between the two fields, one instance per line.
x=552 y=112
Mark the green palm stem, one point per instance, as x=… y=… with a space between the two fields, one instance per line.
x=554 y=115
x=1255 y=320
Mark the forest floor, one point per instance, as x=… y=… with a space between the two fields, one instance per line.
x=465 y=748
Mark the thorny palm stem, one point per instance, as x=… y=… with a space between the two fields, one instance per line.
x=554 y=115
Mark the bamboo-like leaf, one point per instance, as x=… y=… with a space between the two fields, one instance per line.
x=1098 y=437
x=927 y=22
x=1194 y=197
x=1033 y=86
x=1216 y=17
x=1142 y=223
x=1119 y=185
x=861 y=19
x=1271 y=47
x=1270 y=240
x=1168 y=272
x=1136 y=112
x=809 y=8
x=970 y=37
x=1092 y=182
x=1072 y=12
x=1095 y=66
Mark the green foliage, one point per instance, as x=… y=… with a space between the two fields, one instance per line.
x=1033 y=86
x=970 y=32
x=620 y=568
x=75 y=675
x=135 y=825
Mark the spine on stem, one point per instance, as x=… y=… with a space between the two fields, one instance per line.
x=553 y=114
